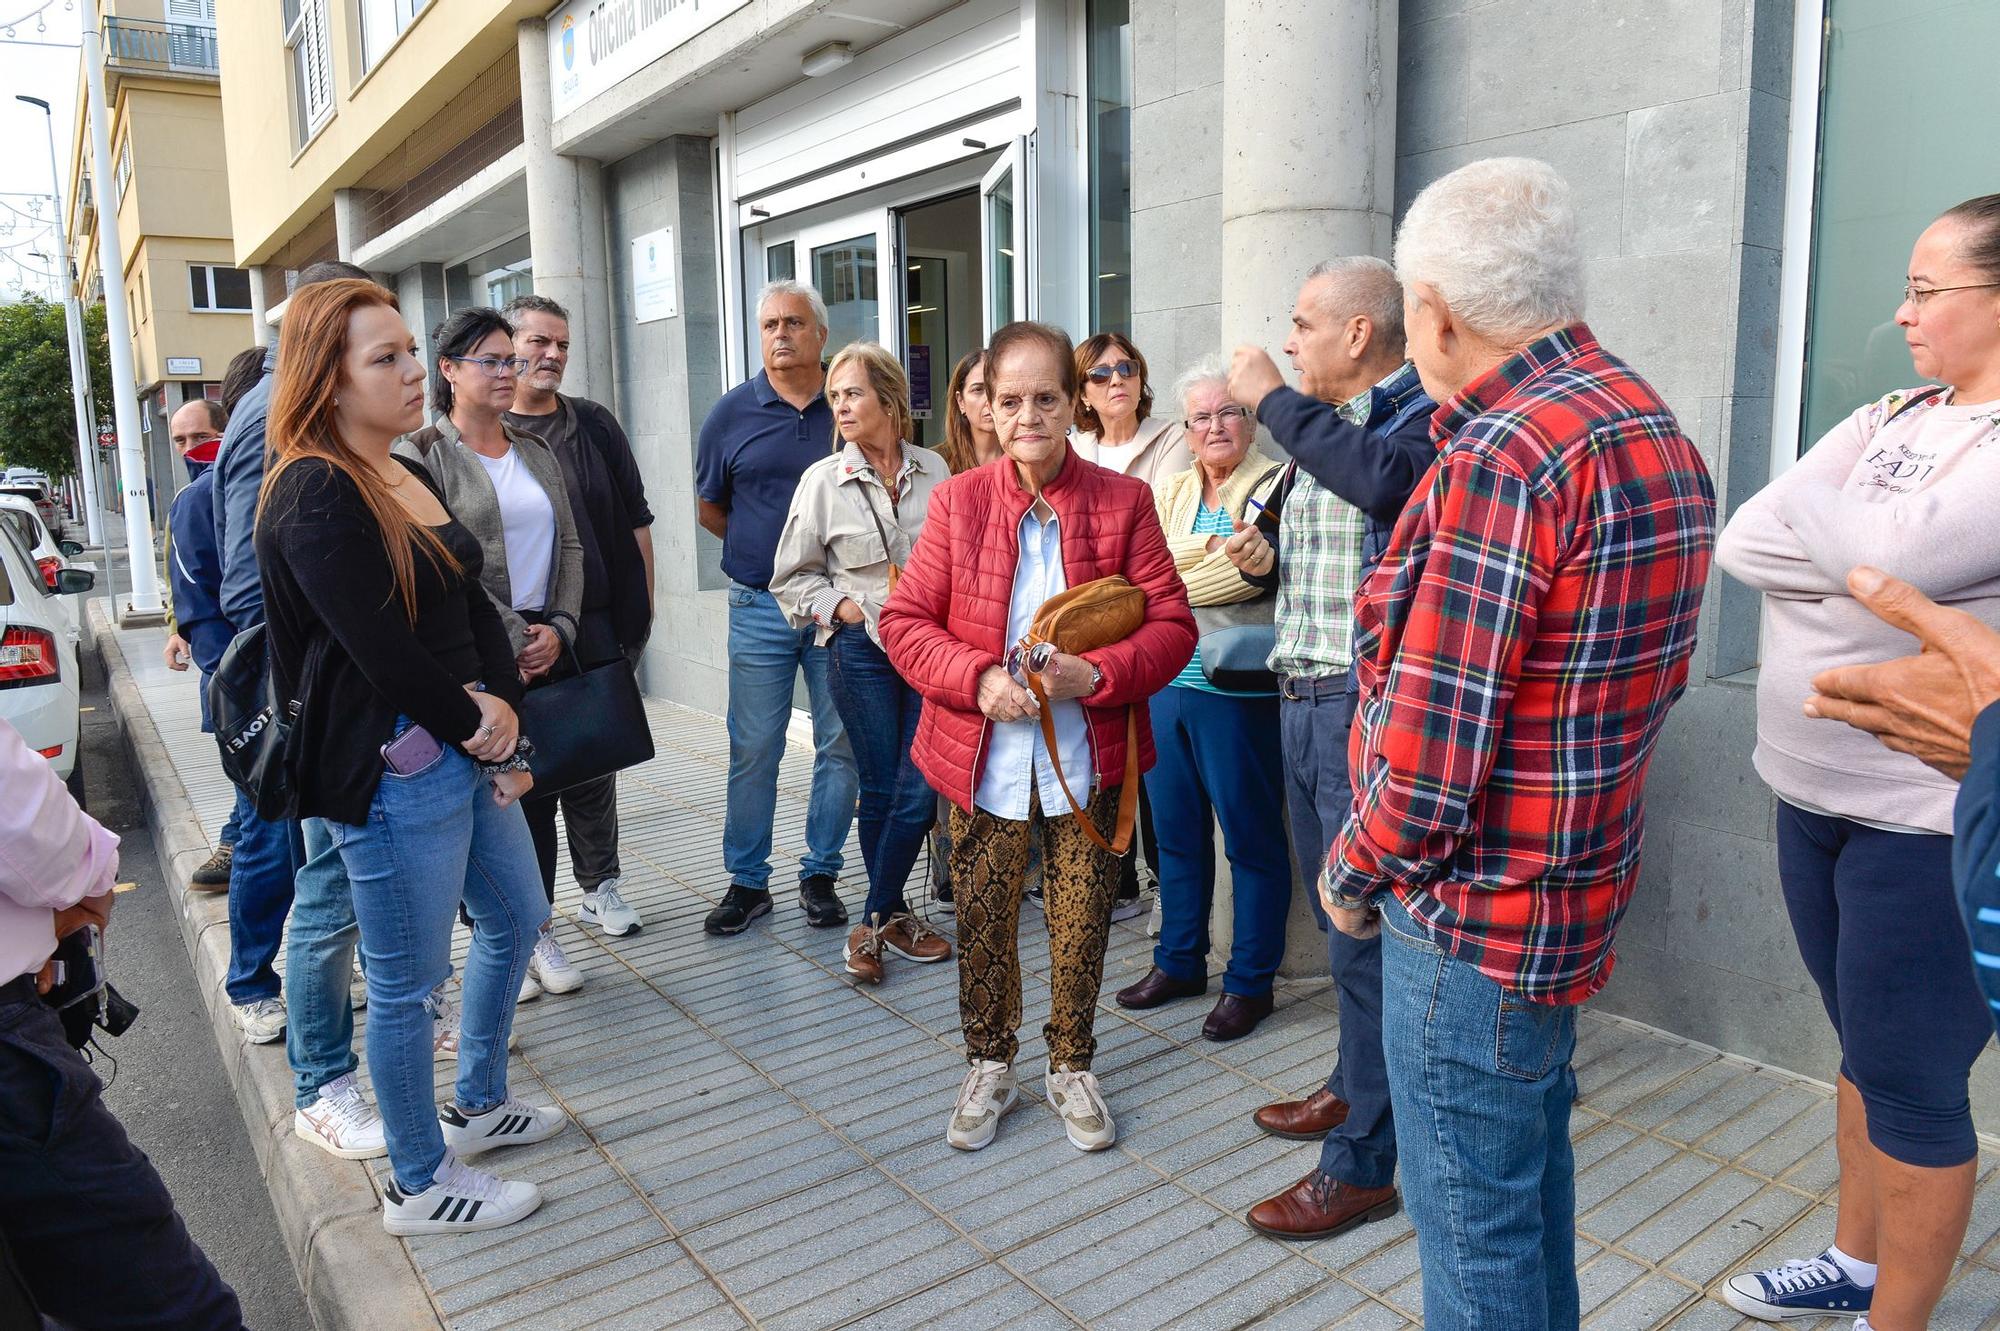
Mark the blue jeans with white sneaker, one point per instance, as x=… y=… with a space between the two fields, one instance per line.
x=1481 y=1084
x=430 y=837
x=319 y=959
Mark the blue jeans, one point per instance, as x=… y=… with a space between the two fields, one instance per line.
x=1314 y=726
x=1219 y=761
x=429 y=838
x=319 y=957
x=260 y=896
x=765 y=656
x=1483 y=1087
x=879 y=712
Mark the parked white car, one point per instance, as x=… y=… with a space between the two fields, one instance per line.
x=39 y=684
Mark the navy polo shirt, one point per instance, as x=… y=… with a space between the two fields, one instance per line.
x=754 y=446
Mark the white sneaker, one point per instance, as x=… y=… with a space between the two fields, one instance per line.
x=1084 y=1113
x=1131 y=908
x=608 y=911
x=514 y=1122
x=261 y=1021
x=531 y=988
x=460 y=1199
x=988 y=1093
x=550 y=967
x=445 y=1021
x=342 y=1122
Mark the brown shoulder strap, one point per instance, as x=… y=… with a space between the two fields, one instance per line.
x=1128 y=794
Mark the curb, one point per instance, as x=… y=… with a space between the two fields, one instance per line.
x=354 y=1274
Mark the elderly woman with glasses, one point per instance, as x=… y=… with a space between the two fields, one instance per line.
x=1217 y=743
x=506 y=488
x=1908 y=485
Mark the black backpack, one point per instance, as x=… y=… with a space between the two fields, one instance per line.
x=253 y=725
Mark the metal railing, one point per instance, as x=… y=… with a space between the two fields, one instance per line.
x=177 y=48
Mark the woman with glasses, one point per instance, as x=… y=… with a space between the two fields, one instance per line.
x=1909 y=484
x=969 y=440
x=1217 y=744
x=506 y=488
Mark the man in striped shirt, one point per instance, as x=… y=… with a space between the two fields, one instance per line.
x=1517 y=651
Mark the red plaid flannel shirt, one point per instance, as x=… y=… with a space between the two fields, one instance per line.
x=1517 y=650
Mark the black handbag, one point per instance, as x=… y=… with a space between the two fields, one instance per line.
x=586 y=725
x=253 y=725
x=1237 y=639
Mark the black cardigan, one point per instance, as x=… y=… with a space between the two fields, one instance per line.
x=342 y=646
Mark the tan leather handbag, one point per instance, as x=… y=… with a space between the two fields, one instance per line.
x=1082 y=619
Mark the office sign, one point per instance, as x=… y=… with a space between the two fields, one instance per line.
x=183 y=365
x=654 y=293
x=594 y=44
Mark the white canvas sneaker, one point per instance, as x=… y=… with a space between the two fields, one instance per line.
x=983 y=1100
x=445 y=1021
x=460 y=1200
x=606 y=909
x=261 y=1021
x=513 y=1122
x=550 y=967
x=1085 y=1115
x=342 y=1122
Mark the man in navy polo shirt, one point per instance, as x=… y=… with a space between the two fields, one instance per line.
x=755 y=444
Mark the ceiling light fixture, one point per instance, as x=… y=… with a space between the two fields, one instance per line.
x=825 y=59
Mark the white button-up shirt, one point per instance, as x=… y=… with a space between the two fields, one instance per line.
x=52 y=855
x=1017 y=761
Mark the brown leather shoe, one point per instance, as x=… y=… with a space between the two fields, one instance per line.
x=212 y=874
x=1305 y=1120
x=910 y=938
x=1235 y=1016
x=864 y=954
x=1319 y=1206
x=1158 y=987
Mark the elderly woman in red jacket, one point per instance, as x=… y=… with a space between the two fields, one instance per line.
x=999 y=541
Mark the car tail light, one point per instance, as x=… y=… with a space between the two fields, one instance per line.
x=50 y=566
x=51 y=754
x=28 y=656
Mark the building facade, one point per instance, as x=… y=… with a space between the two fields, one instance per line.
x=1750 y=173
x=187 y=300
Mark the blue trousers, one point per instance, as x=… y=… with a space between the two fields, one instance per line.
x=94 y=1234
x=1219 y=762
x=766 y=655
x=260 y=896
x=319 y=959
x=879 y=712
x=1314 y=726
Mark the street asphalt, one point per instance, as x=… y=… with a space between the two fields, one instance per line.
x=168 y=1084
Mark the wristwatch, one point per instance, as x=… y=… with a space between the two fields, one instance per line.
x=1096 y=678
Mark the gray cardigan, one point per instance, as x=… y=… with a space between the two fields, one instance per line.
x=468 y=493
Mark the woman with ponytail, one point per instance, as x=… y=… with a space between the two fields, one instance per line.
x=404 y=747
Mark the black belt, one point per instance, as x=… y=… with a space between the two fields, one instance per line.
x=1302 y=688
x=19 y=990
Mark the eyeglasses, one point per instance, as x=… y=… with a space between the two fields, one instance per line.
x=1224 y=418
x=1915 y=295
x=494 y=365
x=1101 y=374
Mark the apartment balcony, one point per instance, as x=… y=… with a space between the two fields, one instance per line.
x=170 y=50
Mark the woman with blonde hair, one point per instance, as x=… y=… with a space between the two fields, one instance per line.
x=853 y=521
x=403 y=749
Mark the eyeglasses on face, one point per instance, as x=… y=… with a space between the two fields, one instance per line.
x=1102 y=374
x=1222 y=418
x=494 y=366
x=1915 y=296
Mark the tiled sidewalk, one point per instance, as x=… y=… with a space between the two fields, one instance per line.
x=759 y=1143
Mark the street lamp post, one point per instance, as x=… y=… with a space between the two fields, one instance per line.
x=79 y=368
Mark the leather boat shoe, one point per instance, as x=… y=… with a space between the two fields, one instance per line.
x=1305 y=1120
x=1235 y=1016
x=1319 y=1206
x=1158 y=987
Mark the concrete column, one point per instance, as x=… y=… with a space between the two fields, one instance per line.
x=261 y=331
x=565 y=226
x=347 y=223
x=1308 y=150
x=420 y=290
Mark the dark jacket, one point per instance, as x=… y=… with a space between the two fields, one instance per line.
x=1975 y=854
x=195 y=570
x=1374 y=466
x=239 y=475
x=342 y=647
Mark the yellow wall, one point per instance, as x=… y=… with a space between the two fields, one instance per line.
x=180 y=172
x=434 y=59
x=172 y=327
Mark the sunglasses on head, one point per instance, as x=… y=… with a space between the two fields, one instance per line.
x=1101 y=374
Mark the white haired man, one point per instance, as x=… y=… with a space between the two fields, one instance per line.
x=1518 y=649
x=757 y=441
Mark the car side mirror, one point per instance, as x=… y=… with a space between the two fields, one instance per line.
x=70 y=549
x=73 y=581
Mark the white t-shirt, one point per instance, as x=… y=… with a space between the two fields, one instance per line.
x=527 y=525
x=1120 y=457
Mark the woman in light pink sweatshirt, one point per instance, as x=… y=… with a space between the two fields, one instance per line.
x=1909 y=484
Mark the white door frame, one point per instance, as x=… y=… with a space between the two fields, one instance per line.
x=1796 y=260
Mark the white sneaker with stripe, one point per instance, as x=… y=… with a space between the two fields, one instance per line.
x=512 y=1123
x=461 y=1199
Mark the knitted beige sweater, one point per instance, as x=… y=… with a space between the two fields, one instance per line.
x=1211 y=579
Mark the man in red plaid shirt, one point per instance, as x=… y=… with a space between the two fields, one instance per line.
x=1518 y=649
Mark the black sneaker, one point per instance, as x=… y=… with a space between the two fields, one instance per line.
x=820 y=903
x=212 y=874
x=740 y=905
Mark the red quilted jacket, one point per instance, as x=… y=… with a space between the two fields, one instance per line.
x=946 y=622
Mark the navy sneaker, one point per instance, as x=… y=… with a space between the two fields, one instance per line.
x=1815 y=1288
